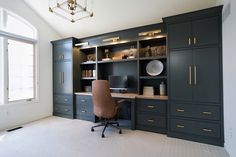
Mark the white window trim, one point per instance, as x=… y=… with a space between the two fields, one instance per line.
x=6 y=36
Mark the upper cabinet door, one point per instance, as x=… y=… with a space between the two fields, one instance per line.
x=62 y=52
x=180 y=75
x=62 y=78
x=206 y=75
x=205 y=31
x=179 y=35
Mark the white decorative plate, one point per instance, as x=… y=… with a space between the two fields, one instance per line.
x=154 y=67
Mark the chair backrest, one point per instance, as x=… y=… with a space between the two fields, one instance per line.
x=103 y=103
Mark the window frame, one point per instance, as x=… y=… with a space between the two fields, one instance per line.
x=11 y=36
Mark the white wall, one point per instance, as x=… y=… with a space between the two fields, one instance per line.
x=12 y=115
x=229 y=74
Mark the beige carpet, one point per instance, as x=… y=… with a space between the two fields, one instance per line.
x=59 y=137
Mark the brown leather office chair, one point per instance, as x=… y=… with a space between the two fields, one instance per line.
x=104 y=106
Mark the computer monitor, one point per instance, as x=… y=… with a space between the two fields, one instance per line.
x=118 y=82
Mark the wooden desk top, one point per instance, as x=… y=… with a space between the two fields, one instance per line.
x=129 y=96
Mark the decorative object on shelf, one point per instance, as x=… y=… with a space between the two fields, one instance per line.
x=150 y=33
x=148 y=90
x=90 y=57
x=154 y=67
x=148 y=51
x=158 y=50
x=132 y=52
x=88 y=73
x=107 y=55
x=162 y=89
x=72 y=10
x=88 y=88
x=113 y=39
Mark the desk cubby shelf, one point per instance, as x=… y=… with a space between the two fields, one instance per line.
x=88 y=63
x=88 y=78
x=153 y=77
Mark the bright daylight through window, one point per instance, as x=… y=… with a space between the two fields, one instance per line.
x=18 y=58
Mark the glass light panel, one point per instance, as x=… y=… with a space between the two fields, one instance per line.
x=19 y=27
x=20 y=70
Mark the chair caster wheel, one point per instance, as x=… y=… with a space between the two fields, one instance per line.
x=120 y=132
x=92 y=129
x=103 y=135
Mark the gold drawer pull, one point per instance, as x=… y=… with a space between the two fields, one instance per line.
x=66 y=110
x=83 y=111
x=179 y=110
x=180 y=126
x=150 y=106
x=207 y=113
x=207 y=130
x=150 y=120
x=83 y=100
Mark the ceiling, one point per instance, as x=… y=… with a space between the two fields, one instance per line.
x=113 y=15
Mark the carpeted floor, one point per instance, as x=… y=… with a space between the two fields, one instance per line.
x=59 y=137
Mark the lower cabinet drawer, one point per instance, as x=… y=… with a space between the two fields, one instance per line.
x=63 y=109
x=145 y=105
x=151 y=120
x=196 y=128
x=196 y=111
x=63 y=99
x=84 y=106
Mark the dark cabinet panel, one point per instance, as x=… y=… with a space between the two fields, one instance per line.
x=63 y=109
x=180 y=75
x=195 y=111
x=151 y=120
x=84 y=108
x=62 y=52
x=205 y=31
x=195 y=127
x=63 y=99
x=62 y=77
x=179 y=35
x=206 y=75
x=153 y=106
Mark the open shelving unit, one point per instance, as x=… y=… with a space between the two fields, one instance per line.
x=125 y=58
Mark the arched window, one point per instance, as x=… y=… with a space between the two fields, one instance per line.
x=18 y=39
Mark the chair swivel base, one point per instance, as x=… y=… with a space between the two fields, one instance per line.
x=106 y=124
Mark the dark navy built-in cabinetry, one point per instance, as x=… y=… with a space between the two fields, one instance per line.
x=195 y=76
x=190 y=49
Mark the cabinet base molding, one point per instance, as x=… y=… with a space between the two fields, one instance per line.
x=201 y=139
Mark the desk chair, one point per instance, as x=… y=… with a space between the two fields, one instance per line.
x=104 y=106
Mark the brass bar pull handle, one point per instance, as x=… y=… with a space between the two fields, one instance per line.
x=207 y=130
x=180 y=126
x=62 y=77
x=195 y=75
x=83 y=100
x=207 y=113
x=150 y=106
x=150 y=120
x=194 y=40
x=179 y=110
x=190 y=75
x=83 y=111
x=189 y=41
